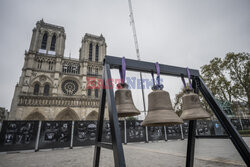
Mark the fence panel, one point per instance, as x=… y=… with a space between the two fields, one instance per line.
x=84 y=133
x=18 y=135
x=245 y=124
x=135 y=131
x=218 y=129
x=106 y=131
x=236 y=123
x=156 y=133
x=185 y=129
x=174 y=132
x=203 y=127
x=55 y=134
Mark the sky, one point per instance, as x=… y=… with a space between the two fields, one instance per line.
x=174 y=32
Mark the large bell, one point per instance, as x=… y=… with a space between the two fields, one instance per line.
x=160 y=110
x=192 y=109
x=124 y=103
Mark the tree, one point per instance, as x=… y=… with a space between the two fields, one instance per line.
x=178 y=102
x=238 y=66
x=229 y=79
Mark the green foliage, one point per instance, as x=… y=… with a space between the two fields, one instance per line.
x=229 y=79
x=178 y=102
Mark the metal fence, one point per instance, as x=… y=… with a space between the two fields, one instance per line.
x=28 y=135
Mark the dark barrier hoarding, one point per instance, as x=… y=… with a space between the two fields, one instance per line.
x=245 y=124
x=203 y=128
x=173 y=132
x=55 y=134
x=21 y=135
x=18 y=135
x=236 y=123
x=185 y=129
x=218 y=129
x=121 y=125
x=135 y=131
x=84 y=133
x=156 y=133
x=106 y=131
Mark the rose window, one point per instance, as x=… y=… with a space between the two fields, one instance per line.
x=69 y=87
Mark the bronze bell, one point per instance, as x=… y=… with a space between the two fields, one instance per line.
x=160 y=110
x=192 y=109
x=124 y=103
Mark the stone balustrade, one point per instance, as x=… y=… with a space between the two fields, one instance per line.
x=57 y=101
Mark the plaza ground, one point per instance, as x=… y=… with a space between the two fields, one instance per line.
x=208 y=153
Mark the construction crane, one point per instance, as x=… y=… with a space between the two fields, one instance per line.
x=132 y=23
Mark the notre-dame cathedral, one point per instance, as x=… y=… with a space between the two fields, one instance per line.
x=53 y=87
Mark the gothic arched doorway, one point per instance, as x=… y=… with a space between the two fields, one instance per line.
x=35 y=116
x=67 y=114
x=92 y=116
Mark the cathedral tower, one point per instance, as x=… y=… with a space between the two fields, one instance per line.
x=48 y=39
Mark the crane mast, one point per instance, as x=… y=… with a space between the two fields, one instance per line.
x=132 y=23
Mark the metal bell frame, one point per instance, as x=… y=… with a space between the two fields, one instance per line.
x=111 y=62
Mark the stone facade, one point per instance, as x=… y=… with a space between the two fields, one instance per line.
x=53 y=87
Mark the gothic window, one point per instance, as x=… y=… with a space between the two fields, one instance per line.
x=74 y=69
x=36 y=89
x=96 y=71
x=90 y=51
x=89 y=92
x=44 y=41
x=39 y=64
x=89 y=70
x=65 y=67
x=77 y=67
x=53 y=43
x=46 y=90
x=69 y=87
x=96 y=93
x=71 y=68
x=96 y=53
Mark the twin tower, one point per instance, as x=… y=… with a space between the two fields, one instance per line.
x=54 y=87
